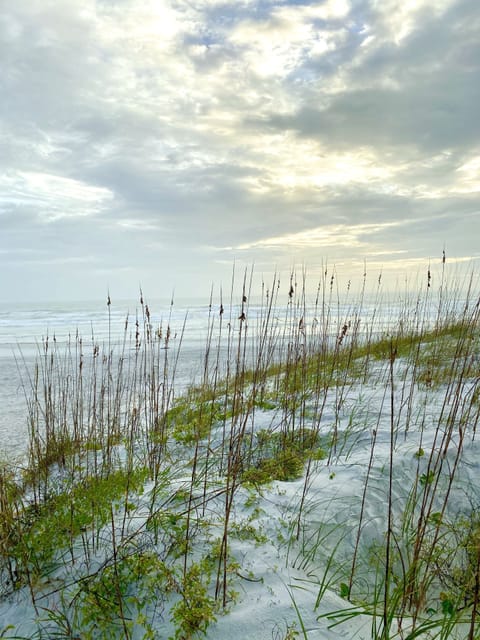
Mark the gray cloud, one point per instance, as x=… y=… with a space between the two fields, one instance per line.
x=421 y=93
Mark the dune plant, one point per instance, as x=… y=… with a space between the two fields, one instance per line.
x=126 y=510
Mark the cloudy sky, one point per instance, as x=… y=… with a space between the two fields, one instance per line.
x=158 y=142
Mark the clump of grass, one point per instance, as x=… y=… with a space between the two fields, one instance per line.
x=191 y=418
x=281 y=456
x=10 y=505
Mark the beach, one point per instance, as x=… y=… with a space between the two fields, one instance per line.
x=293 y=477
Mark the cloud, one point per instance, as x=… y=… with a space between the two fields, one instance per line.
x=137 y=224
x=325 y=236
x=418 y=93
x=154 y=134
x=51 y=197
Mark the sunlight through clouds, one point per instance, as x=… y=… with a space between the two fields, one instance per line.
x=277 y=45
x=325 y=236
x=470 y=176
x=53 y=197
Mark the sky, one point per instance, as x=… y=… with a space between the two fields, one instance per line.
x=164 y=143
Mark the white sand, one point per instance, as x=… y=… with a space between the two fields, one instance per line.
x=280 y=570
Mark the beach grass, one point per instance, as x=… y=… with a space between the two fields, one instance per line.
x=139 y=509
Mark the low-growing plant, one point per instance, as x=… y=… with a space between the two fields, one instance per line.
x=41 y=534
x=170 y=527
x=119 y=598
x=196 y=609
x=282 y=456
x=192 y=417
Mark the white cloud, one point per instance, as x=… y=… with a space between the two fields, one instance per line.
x=136 y=224
x=469 y=176
x=52 y=197
x=278 y=44
x=291 y=164
x=339 y=235
x=399 y=18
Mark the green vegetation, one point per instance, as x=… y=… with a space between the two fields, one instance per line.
x=282 y=456
x=191 y=418
x=36 y=537
x=131 y=507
